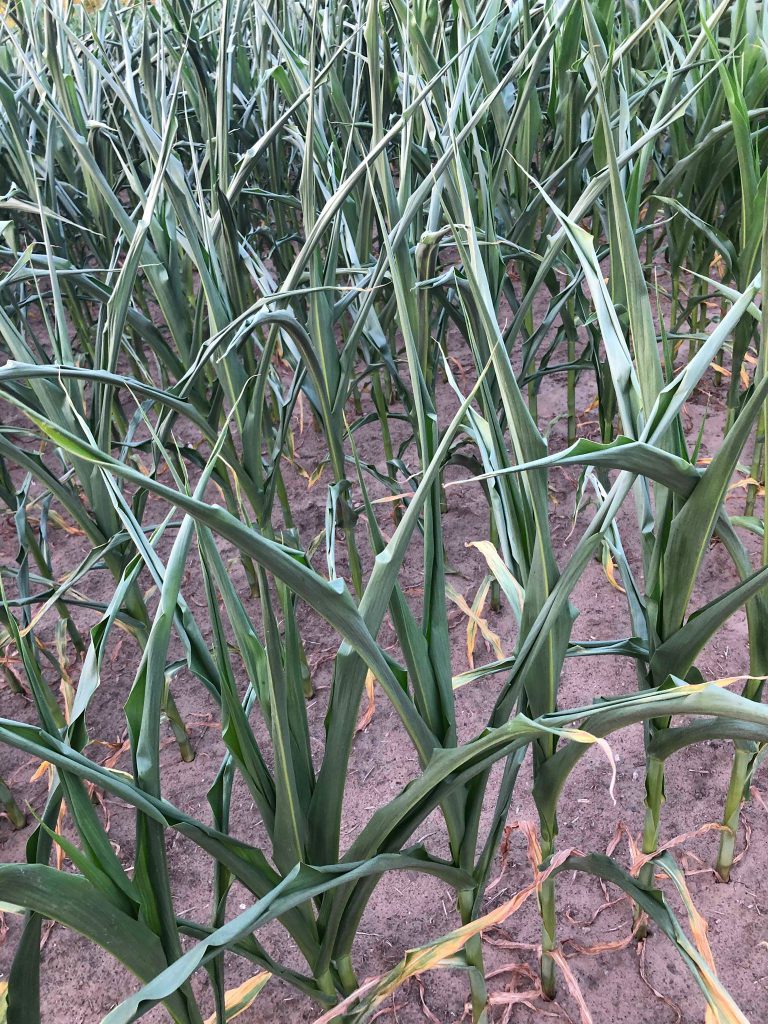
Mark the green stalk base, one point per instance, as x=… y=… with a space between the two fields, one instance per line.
x=473 y=952
x=15 y=814
x=547 y=966
x=742 y=763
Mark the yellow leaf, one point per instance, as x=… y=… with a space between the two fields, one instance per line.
x=684 y=688
x=237 y=1000
x=721 y=1008
x=62 y=524
x=581 y=736
x=300 y=403
x=389 y=498
x=426 y=958
x=10 y=22
x=315 y=476
x=610 y=571
x=365 y=719
x=475 y=621
x=513 y=592
x=718 y=264
x=40 y=770
x=748 y=481
x=573 y=985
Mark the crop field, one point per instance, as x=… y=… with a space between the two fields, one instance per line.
x=383 y=563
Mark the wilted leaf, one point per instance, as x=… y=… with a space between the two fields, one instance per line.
x=238 y=1000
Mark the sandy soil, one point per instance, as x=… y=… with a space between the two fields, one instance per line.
x=80 y=983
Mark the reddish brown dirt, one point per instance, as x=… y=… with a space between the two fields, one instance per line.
x=80 y=983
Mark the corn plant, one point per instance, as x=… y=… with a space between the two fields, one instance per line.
x=223 y=216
